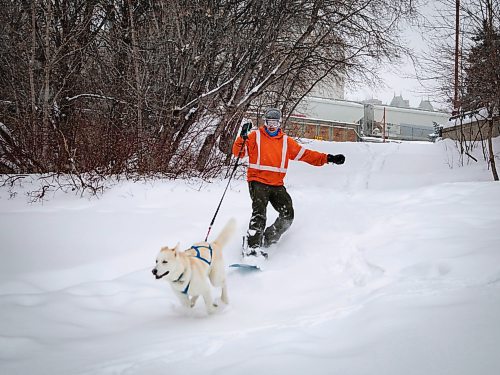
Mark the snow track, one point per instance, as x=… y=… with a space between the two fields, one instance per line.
x=391 y=266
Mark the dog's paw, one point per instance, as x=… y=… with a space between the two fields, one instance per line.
x=219 y=306
x=191 y=304
x=192 y=301
x=211 y=310
x=221 y=301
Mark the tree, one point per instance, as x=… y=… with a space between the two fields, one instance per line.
x=479 y=57
x=482 y=79
x=140 y=87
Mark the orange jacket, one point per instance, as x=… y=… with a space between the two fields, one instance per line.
x=269 y=156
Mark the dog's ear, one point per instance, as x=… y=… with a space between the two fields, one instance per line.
x=176 y=249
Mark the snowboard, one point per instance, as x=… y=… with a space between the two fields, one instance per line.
x=245 y=267
x=248 y=265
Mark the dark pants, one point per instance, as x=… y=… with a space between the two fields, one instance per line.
x=281 y=201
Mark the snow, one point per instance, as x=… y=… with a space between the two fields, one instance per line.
x=4 y=128
x=467 y=118
x=211 y=92
x=96 y=96
x=391 y=266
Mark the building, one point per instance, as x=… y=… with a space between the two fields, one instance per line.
x=325 y=130
x=371 y=118
x=330 y=90
x=401 y=123
x=470 y=126
x=398 y=101
x=426 y=105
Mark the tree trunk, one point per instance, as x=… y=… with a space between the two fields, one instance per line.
x=46 y=86
x=228 y=123
x=135 y=59
x=32 y=58
x=490 y=148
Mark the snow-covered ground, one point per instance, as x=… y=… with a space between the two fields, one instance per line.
x=392 y=266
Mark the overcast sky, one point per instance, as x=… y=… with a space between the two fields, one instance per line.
x=401 y=79
x=396 y=84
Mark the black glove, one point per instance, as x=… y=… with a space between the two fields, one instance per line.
x=245 y=129
x=336 y=159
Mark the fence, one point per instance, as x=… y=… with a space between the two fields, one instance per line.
x=472 y=131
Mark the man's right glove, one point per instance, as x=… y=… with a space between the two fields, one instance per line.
x=336 y=159
x=245 y=129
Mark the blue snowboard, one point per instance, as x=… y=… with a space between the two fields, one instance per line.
x=245 y=267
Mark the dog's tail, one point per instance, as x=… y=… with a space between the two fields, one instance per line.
x=226 y=233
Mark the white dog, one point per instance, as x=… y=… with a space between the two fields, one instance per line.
x=188 y=271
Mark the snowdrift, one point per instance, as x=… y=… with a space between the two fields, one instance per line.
x=390 y=267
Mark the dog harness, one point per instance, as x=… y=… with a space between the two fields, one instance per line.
x=197 y=249
x=198 y=255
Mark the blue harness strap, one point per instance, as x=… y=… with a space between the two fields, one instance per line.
x=179 y=280
x=196 y=248
x=185 y=291
x=198 y=255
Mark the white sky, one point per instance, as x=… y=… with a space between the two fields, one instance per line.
x=401 y=79
x=395 y=84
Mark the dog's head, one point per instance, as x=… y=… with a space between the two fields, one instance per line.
x=165 y=262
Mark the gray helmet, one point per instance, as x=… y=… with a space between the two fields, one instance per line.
x=272 y=114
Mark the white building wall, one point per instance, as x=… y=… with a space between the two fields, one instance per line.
x=409 y=116
x=331 y=110
x=401 y=122
x=329 y=90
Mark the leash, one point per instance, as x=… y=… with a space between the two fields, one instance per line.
x=230 y=177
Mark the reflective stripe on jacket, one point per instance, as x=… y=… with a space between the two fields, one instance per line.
x=269 y=156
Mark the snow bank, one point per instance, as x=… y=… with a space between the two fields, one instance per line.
x=391 y=266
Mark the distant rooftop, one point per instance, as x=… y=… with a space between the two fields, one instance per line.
x=398 y=101
x=372 y=101
x=426 y=105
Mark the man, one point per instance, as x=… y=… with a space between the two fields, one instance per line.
x=269 y=151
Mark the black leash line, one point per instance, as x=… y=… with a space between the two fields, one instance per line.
x=225 y=190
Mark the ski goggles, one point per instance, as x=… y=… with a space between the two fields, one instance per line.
x=272 y=123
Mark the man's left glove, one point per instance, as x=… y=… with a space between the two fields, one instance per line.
x=336 y=159
x=245 y=129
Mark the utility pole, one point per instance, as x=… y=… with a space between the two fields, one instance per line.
x=384 y=127
x=456 y=105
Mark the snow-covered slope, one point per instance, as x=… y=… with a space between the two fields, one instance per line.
x=392 y=266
